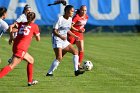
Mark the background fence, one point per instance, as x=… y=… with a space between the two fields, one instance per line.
x=105 y=15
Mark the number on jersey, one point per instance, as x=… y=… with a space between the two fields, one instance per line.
x=24 y=30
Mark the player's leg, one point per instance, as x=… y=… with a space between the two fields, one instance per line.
x=55 y=63
x=72 y=50
x=12 y=65
x=71 y=39
x=30 y=63
x=63 y=53
x=80 y=46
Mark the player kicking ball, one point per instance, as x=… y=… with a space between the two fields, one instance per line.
x=59 y=41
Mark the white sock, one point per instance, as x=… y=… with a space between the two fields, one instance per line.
x=54 y=66
x=75 y=61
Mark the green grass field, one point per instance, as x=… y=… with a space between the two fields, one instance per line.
x=116 y=60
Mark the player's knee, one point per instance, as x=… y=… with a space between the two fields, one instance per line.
x=31 y=60
x=75 y=52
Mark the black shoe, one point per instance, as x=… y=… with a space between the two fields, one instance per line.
x=49 y=74
x=34 y=82
x=10 y=60
x=78 y=72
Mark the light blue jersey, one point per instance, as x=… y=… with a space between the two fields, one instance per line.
x=3 y=27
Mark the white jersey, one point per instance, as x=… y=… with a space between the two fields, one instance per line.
x=22 y=18
x=63 y=26
x=3 y=27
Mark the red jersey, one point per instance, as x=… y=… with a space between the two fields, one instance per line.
x=24 y=36
x=79 y=22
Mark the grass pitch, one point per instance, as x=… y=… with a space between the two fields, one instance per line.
x=116 y=67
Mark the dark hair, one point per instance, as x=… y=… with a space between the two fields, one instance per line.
x=68 y=8
x=25 y=8
x=77 y=11
x=30 y=17
x=2 y=11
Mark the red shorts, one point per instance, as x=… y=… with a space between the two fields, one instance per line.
x=19 y=53
x=72 y=40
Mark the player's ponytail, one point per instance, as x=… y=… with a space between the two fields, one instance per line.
x=2 y=11
x=30 y=17
x=26 y=7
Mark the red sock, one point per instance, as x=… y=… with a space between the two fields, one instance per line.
x=81 y=55
x=5 y=71
x=30 y=72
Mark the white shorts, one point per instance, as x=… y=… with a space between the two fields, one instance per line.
x=59 y=43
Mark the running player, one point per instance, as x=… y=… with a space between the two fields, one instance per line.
x=78 y=23
x=3 y=25
x=22 y=18
x=59 y=41
x=21 y=43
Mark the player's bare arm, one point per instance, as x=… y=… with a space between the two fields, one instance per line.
x=11 y=31
x=37 y=37
x=11 y=38
x=77 y=30
x=70 y=33
x=55 y=32
x=13 y=28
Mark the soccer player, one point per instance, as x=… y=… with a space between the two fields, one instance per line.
x=20 y=47
x=78 y=23
x=59 y=41
x=3 y=25
x=22 y=18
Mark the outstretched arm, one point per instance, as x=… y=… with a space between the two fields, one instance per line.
x=77 y=30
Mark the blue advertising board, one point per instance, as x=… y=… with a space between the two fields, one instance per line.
x=100 y=12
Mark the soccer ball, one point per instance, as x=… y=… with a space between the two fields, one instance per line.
x=87 y=65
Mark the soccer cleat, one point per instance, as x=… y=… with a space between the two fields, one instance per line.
x=34 y=82
x=78 y=72
x=49 y=74
x=9 y=60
